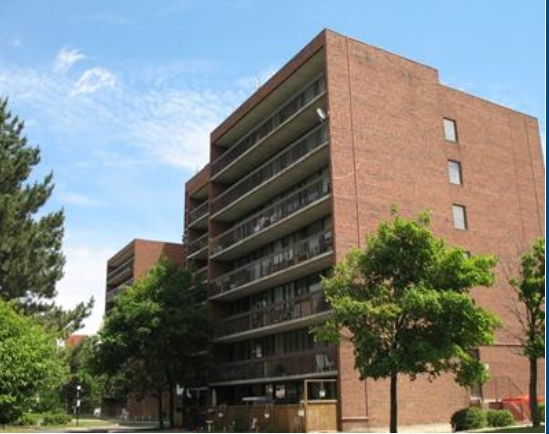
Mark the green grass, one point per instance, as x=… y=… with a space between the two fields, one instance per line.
x=93 y=422
x=82 y=423
x=524 y=429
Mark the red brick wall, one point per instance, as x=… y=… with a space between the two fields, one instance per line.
x=147 y=253
x=388 y=148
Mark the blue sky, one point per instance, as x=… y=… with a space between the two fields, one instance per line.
x=121 y=95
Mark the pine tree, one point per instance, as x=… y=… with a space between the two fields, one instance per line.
x=31 y=260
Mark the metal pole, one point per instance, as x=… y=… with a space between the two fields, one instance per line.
x=78 y=387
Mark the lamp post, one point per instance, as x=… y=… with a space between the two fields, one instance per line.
x=78 y=389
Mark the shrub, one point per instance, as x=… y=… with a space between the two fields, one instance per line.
x=57 y=419
x=498 y=418
x=468 y=418
x=28 y=419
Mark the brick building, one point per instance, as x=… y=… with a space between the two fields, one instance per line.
x=301 y=172
x=134 y=260
x=123 y=268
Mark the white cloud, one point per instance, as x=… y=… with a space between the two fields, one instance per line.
x=92 y=80
x=66 y=58
x=85 y=274
x=141 y=120
x=77 y=199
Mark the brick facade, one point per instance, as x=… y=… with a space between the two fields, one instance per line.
x=387 y=147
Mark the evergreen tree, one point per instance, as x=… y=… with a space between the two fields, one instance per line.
x=31 y=260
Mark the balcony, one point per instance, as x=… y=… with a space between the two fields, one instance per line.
x=198 y=248
x=123 y=272
x=304 y=257
x=278 y=317
x=298 y=209
x=319 y=363
x=198 y=216
x=301 y=158
x=202 y=274
x=286 y=123
x=114 y=292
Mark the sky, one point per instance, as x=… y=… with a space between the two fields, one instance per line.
x=121 y=96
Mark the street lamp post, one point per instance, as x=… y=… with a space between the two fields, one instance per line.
x=78 y=389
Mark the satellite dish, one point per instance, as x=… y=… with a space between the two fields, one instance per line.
x=321 y=114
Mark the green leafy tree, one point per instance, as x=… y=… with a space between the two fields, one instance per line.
x=157 y=334
x=530 y=288
x=92 y=385
x=405 y=301
x=31 y=363
x=31 y=261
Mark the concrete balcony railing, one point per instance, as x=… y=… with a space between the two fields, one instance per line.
x=198 y=213
x=202 y=274
x=124 y=269
x=273 y=167
x=114 y=292
x=288 y=111
x=197 y=246
x=277 y=313
x=294 y=254
x=319 y=361
x=271 y=215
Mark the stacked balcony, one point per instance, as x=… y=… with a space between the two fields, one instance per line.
x=278 y=317
x=271 y=188
x=120 y=274
x=299 y=208
x=198 y=216
x=306 y=155
x=271 y=135
x=118 y=278
x=320 y=362
x=198 y=248
x=114 y=292
x=307 y=256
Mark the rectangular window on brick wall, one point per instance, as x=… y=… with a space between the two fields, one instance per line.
x=454 y=172
x=450 y=130
x=460 y=217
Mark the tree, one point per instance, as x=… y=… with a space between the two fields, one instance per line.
x=31 y=261
x=530 y=288
x=91 y=385
x=30 y=362
x=158 y=333
x=405 y=301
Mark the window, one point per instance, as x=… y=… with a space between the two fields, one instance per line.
x=460 y=217
x=450 y=131
x=454 y=172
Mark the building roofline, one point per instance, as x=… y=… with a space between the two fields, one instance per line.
x=132 y=243
x=383 y=50
x=317 y=43
x=487 y=101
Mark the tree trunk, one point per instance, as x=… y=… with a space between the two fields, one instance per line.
x=534 y=408
x=160 y=409
x=394 y=403
x=172 y=406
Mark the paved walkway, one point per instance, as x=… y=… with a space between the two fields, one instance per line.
x=436 y=427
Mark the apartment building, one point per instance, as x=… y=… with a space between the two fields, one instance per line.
x=123 y=268
x=301 y=172
x=133 y=261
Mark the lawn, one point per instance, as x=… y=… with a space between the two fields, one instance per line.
x=524 y=429
x=82 y=423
